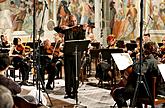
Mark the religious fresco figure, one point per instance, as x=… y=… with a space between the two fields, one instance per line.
x=119 y=21
x=5 y=19
x=86 y=11
x=162 y=12
x=74 y=9
x=112 y=13
x=19 y=19
x=130 y=23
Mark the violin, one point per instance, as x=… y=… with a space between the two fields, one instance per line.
x=49 y=50
x=55 y=52
x=162 y=48
x=20 y=47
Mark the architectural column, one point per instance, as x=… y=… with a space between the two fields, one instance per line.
x=98 y=20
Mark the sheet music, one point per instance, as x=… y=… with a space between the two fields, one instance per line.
x=162 y=70
x=122 y=60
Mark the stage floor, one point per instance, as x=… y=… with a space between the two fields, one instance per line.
x=90 y=95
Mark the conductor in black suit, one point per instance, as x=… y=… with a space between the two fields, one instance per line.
x=71 y=32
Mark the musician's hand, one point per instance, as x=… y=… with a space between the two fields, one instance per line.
x=64 y=27
x=50 y=56
x=85 y=26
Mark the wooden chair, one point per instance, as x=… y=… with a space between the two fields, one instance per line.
x=156 y=100
x=146 y=101
x=11 y=72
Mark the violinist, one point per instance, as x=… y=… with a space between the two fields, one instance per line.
x=46 y=63
x=149 y=69
x=58 y=54
x=135 y=53
x=71 y=32
x=162 y=48
x=17 y=52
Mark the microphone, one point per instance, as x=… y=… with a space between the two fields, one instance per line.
x=150 y=17
x=46 y=5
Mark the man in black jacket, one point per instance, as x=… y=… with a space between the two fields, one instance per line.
x=71 y=32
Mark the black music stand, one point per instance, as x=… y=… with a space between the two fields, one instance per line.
x=106 y=55
x=76 y=47
x=96 y=45
x=131 y=46
x=120 y=44
x=31 y=44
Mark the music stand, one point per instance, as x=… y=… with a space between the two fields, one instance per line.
x=95 y=44
x=31 y=44
x=131 y=46
x=106 y=55
x=120 y=44
x=160 y=44
x=76 y=47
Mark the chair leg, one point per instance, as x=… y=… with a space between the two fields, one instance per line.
x=145 y=105
x=53 y=84
x=114 y=105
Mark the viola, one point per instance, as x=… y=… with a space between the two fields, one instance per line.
x=49 y=50
x=162 y=48
x=20 y=47
x=53 y=51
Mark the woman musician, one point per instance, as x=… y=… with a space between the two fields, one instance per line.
x=49 y=62
x=17 y=52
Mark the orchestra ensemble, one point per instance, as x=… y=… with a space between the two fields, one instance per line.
x=54 y=58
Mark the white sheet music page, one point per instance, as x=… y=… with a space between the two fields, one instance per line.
x=162 y=70
x=122 y=60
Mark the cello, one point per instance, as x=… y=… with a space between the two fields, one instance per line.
x=124 y=79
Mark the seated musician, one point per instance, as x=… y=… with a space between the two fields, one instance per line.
x=4 y=42
x=6 y=98
x=111 y=41
x=125 y=91
x=135 y=53
x=17 y=52
x=7 y=82
x=92 y=39
x=48 y=62
x=103 y=68
x=58 y=54
x=162 y=48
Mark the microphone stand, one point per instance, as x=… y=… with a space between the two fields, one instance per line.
x=37 y=62
x=150 y=18
x=141 y=77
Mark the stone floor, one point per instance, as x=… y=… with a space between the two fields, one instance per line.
x=90 y=95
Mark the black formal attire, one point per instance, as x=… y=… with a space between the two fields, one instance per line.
x=10 y=84
x=150 y=69
x=75 y=33
x=47 y=65
x=19 y=63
